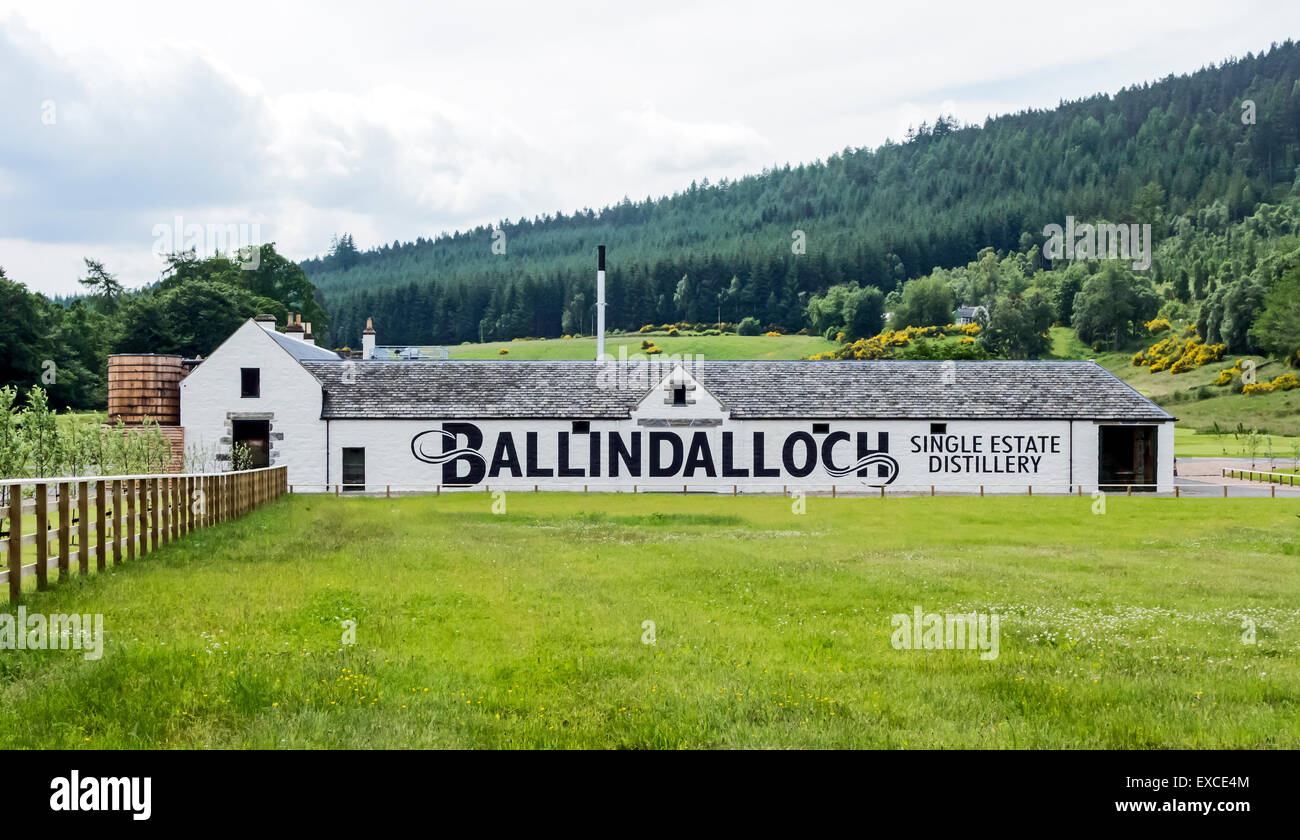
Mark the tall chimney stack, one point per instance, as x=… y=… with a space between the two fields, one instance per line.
x=600 y=303
x=368 y=340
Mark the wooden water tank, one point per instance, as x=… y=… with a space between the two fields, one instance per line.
x=145 y=385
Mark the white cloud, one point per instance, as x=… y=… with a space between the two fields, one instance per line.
x=650 y=143
x=397 y=120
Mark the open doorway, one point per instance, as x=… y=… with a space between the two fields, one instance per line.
x=354 y=468
x=1127 y=456
x=256 y=435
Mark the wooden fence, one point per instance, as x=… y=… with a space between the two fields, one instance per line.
x=124 y=515
x=1288 y=479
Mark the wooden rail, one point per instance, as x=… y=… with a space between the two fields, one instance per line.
x=158 y=509
x=1198 y=489
x=1285 y=479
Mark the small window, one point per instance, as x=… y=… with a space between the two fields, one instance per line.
x=354 y=468
x=821 y=428
x=679 y=395
x=581 y=427
x=938 y=428
x=250 y=382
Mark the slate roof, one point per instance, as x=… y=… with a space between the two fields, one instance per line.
x=301 y=350
x=749 y=389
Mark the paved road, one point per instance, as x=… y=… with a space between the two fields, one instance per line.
x=1204 y=477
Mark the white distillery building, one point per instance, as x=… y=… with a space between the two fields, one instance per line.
x=725 y=426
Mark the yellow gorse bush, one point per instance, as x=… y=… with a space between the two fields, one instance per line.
x=882 y=346
x=1285 y=382
x=1178 y=355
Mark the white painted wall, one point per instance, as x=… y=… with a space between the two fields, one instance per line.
x=210 y=399
x=390 y=461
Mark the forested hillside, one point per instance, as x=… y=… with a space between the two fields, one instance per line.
x=1165 y=154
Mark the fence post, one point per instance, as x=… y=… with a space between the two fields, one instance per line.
x=142 y=516
x=183 y=485
x=165 y=509
x=155 y=521
x=117 y=522
x=65 y=527
x=1225 y=491
x=83 y=527
x=1177 y=493
x=16 y=546
x=101 y=525
x=42 y=536
x=981 y=491
x=132 y=487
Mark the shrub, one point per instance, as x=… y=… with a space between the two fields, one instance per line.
x=772 y=333
x=1285 y=382
x=503 y=351
x=748 y=326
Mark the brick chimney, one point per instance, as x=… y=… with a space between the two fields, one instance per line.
x=368 y=340
x=294 y=329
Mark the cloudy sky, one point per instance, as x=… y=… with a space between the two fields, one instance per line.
x=391 y=120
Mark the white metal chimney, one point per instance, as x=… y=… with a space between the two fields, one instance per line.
x=600 y=303
x=368 y=340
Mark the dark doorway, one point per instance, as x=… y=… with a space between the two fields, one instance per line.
x=1128 y=456
x=256 y=435
x=354 y=468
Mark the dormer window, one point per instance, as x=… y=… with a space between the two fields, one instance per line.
x=679 y=393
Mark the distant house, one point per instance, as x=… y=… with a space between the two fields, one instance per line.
x=972 y=315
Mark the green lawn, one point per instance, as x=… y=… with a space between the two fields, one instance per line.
x=773 y=629
x=711 y=347
x=1189 y=443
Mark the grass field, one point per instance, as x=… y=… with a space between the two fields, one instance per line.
x=711 y=347
x=1188 y=443
x=772 y=629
